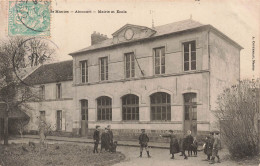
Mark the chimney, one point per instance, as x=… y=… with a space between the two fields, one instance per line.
x=96 y=38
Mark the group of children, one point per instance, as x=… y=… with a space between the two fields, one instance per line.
x=212 y=146
x=185 y=143
x=107 y=142
x=188 y=143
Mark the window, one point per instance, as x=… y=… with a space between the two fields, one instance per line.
x=42 y=115
x=58 y=91
x=190 y=105
x=189 y=49
x=84 y=109
x=103 y=68
x=42 y=92
x=59 y=120
x=84 y=71
x=104 y=108
x=159 y=60
x=129 y=65
x=130 y=107
x=160 y=106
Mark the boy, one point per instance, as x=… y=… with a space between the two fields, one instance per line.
x=208 y=146
x=189 y=141
x=216 y=148
x=110 y=133
x=143 y=141
x=195 y=147
x=96 y=138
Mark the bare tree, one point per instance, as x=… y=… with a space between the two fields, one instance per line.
x=17 y=53
x=21 y=126
x=238 y=111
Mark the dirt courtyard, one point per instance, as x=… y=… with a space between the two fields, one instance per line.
x=161 y=157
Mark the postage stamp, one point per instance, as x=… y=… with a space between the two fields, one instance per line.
x=29 y=18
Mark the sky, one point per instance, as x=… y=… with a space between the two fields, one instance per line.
x=238 y=19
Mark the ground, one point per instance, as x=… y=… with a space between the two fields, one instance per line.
x=161 y=157
x=55 y=154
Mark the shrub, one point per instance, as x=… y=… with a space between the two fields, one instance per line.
x=238 y=112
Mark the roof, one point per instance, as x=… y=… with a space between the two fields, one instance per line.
x=49 y=73
x=172 y=28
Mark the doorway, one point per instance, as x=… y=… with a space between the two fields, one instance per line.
x=190 y=113
x=59 y=120
x=84 y=117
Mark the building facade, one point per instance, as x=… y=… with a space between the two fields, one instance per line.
x=54 y=84
x=161 y=78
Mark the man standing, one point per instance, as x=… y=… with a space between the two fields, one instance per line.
x=216 y=147
x=96 y=138
x=174 y=145
x=110 y=136
x=105 y=140
x=143 y=141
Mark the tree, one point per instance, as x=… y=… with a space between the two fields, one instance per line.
x=21 y=125
x=238 y=113
x=17 y=54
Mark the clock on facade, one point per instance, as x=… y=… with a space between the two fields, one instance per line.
x=129 y=33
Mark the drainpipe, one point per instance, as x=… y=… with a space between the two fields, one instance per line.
x=209 y=71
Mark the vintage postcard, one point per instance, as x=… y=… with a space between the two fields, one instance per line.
x=95 y=82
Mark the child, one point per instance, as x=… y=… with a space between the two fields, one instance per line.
x=189 y=141
x=96 y=138
x=174 y=145
x=195 y=147
x=105 y=140
x=113 y=147
x=183 y=146
x=143 y=141
x=216 y=148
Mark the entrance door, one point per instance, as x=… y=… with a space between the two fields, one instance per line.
x=59 y=120
x=84 y=117
x=190 y=113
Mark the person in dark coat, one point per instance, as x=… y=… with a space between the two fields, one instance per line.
x=105 y=140
x=183 y=146
x=143 y=141
x=174 y=145
x=209 y=146
x=195 y=147
x=216 y=148
x=189 y=141
x=96 y=138
x=110 y=136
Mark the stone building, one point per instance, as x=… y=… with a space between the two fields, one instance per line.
x=161 y=78
x=54 y=83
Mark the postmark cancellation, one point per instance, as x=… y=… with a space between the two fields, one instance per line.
x=29 y=18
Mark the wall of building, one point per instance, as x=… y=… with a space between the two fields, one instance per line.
x=175 y=82
x=224 y=67
x=144 y=54
x=176 y=86
x=50 y=105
